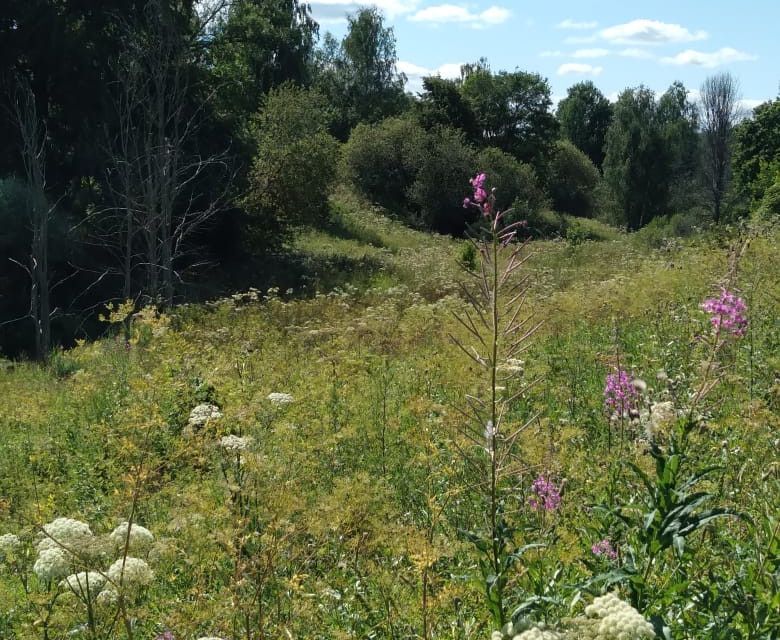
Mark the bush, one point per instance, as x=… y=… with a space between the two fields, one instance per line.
x=515 y=182
x=382 y=160
x=573 y=181
x=545 y=223
x=770 y=203
x=295 y=163
x=445 y=167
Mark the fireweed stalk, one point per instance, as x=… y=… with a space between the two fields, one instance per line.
x=501 y=332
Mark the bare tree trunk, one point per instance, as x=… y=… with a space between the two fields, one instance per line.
x=33 y=140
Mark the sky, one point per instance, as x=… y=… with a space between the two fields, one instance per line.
x=616 y=44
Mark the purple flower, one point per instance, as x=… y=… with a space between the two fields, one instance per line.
x=727 y=313
x=546 y=495
x=620 y=394
x=604 y=548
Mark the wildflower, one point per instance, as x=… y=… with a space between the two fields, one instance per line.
x=51 y=564
x=235 y=444
x=165 y=635
x=65 y=532
x=203 y=413
x=618 y=620
x=86 y=584
x=139 y=536
x=9 y=542
x=132 y=572
x=546 y=497
x=620 y=395
x=604 y=548
x=280 y=399
x=107 y=596
x=537 y=633
x=727 y=313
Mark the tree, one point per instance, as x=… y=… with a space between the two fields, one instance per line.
x=637 y=162
x=757 y=146
x=678 y=119
x=442 y=104
x=32 y=134
x=512 y=112
x=258 y=45
x=359 y=76
x=719 y=114
x=295 y=164
x=585 y=115
x=158 y=163
x=573 y=180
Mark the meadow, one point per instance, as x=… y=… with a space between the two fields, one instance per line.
x=312 y=460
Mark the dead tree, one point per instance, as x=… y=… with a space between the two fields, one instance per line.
x=32 y=135
x=155 y=162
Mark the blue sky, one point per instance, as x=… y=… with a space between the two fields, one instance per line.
x=616 y=44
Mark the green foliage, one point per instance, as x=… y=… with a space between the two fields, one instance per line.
x=442 y=103
x=756 y=144
x=512 y=112
x=515 y=182
x=417 y=174
x=585 y=115
x=359 y=76
x=573 y=181
x=637 y=163
x=770 y=203
x=295 y=163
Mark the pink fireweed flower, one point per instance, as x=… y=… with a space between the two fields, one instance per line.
x=604 y=548
x=546 y=495
x=620 y=394
x=727 y=313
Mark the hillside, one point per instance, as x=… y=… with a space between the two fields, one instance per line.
x=339 y=511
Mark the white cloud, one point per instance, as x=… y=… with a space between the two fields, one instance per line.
x=580 y=39
x=709 y=60
x=573 y=24
x=650 y=32
x=335 y=11
x=415 y=73
x=551 y=54
x=590 y=53
x=447 y=13
x=750 y=103
x=632 y=52
x=579 y=68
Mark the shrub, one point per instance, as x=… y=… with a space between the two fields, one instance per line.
x=445 y=165
x=544 y=223
x=515 y=182
x=295 y=162
x=573 y=181
x=770 y=203
x=381 y=160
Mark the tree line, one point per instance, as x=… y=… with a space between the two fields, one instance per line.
x=152 y=141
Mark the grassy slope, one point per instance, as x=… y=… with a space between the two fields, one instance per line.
x=349 y=468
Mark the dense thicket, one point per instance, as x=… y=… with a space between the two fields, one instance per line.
x=151 y=141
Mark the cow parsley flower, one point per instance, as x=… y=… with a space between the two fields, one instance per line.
x=280 y=399
x=235 y=444
x=65 y=532
x=727 y=313
x=84 y=584
x=9 y=542
x=51 y=564
x=140 y=537
x=618 y=620
x=107 y=596
x=536 y=633
x=546 y=496
x=203 y=413
x=661 y=413
x=136 y=572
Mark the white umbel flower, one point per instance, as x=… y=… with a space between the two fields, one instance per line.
x=280 y=399
x=203 y=413
x=65 y=532
x=618 y=620
x=661 y=414
x=235 y=444
x=9 y=542
x=51 y=564
x=107 y=596
x=136 y=572
x=86 y=584
x=536 y=633
x=140 y=537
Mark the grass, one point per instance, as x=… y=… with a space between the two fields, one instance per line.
x=342 y=519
